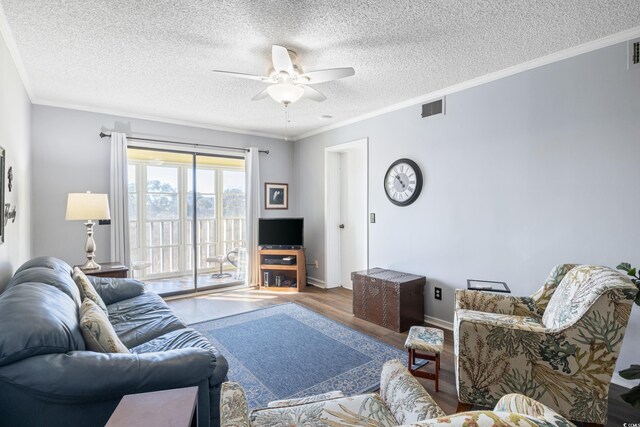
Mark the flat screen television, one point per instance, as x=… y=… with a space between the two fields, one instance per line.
x=281 y=232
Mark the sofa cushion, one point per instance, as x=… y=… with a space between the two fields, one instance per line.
x=181 y=338
x=112 y=289
x=364 y=410
x=142 y=318
x=87 y=290
x=37 y=319
x=97 y=331
x=48 y=276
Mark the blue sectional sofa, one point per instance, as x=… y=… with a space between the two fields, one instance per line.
x=48 y=378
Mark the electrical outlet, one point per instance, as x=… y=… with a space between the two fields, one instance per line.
x=437 y=294
x=317 y=264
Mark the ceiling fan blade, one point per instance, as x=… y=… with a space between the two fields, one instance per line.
x=262 y=95
x=327 y=75
x=312 y=94
x=242 y=75
x=281 y=59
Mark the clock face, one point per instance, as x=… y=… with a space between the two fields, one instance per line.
x=403 y=182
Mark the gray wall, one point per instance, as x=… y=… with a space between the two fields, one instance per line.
x=68 y=156
x=15 y=116
x=521 y=174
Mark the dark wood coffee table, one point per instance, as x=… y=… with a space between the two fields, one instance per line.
x=177 y=408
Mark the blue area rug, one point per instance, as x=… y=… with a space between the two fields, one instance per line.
x=288 y=351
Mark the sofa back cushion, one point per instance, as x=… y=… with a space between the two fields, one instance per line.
x=578 y=290
x=59 y=280
x=46 y=262
x=37 y=319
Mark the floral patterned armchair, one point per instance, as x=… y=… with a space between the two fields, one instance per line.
x=558 y=346
x=402 y=401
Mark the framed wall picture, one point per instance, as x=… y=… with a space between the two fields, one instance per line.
x=276 y=196
x=2 y=195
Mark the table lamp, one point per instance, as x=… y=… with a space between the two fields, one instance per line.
x=87 y=207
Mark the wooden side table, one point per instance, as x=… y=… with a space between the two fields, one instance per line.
x=109 y=269
x=177 y=408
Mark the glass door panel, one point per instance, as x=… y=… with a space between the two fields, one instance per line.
x=220 y=203
x=186 y=237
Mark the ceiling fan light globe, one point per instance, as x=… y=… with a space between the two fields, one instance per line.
x=285 y=93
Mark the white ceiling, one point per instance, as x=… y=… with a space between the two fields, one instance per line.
x=153 y=58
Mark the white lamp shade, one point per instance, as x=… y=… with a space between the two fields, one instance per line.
x=87 y=206
x=285 y=93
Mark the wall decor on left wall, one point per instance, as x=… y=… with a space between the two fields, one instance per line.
x=2 y=209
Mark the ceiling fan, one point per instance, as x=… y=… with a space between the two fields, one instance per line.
x=287 y=82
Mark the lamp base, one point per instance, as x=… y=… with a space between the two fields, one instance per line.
x=90 y=265
x=90 y=249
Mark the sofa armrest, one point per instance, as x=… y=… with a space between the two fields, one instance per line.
x=506 y=321
x=488 y=302
x=113 y=290
x=330 y=395
x=407 y=400
x=234 y=408
x=86 y=376
x=521 y=404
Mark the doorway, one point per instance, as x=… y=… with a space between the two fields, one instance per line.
x=346 y=211
x=186 y=219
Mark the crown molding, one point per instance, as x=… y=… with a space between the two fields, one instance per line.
x=10 y=42
x=509 y=71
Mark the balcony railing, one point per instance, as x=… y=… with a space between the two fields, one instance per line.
x=165 y=246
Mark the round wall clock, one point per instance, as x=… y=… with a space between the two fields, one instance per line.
x=403 y=182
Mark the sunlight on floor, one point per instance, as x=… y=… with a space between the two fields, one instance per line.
x=248 y=298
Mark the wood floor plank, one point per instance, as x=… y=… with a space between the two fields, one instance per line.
x=336 y=304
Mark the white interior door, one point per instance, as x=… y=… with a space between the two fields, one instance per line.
x=346 y=212
x=353 y=214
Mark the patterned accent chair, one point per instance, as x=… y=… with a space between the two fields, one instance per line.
x=558 y=346
x=402 y=401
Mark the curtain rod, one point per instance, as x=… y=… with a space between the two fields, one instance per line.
x=104 y=135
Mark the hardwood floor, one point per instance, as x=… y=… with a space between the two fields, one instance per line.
x=336 y=304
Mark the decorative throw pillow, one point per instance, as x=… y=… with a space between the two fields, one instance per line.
x=98 y=333
x=87 y=290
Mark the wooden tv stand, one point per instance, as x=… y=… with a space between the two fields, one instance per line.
x=297 y=271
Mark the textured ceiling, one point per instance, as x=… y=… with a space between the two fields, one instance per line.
x=154 y=58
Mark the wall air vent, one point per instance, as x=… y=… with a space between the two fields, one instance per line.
x=634 y=53
x=433 y=108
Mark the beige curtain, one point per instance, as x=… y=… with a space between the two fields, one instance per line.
x=253 y=192
x=119 y=200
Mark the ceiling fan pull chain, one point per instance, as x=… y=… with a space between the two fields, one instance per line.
x=286 y=122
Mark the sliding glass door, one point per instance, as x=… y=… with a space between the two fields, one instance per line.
x=168 y=213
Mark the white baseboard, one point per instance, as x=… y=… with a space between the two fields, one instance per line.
x=439 y=322
x=316 y=282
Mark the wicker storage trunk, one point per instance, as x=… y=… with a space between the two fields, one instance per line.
x=388 y=298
